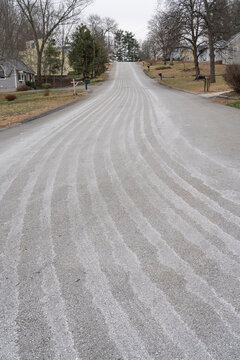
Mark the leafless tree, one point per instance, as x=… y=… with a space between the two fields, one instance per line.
x=102 y=29
x=149 y=48
x=216 y=16
x=235 y=16
x=62 y=38
x=14 y=30
x=45 y=16
x=193 y=32
x=165 y=28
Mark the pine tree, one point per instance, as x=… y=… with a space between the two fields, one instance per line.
x=51 y=61
x=87 y=55
x=126 y=47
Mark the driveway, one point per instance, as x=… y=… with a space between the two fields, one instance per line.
x=120 y=230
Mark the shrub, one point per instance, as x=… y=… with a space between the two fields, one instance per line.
x=46 y=86
x=23 y=88
x=46 y=92
x=31 y=84
x=232 y=77
x=163 y=67
x=10 y=97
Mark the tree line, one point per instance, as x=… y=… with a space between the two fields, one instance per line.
x=192 y=24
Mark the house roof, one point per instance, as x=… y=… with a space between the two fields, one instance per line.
x=234 y=37
x=220 y=45
x=10 y=64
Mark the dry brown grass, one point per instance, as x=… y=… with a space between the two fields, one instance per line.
x=182 y=76
x=29 y=104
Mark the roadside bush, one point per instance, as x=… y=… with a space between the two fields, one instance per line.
x=163 y=67
x=31 y=84
x=232 y=77
x=23 y=88
x=46 y=92
x=46 y=86
x=10 y=97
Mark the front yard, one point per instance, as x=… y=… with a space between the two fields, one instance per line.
x=182 y=76
x=33 y=103
x=28 y=104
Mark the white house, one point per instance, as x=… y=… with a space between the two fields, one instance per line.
x=14 y=73
x=228 y=52
x=233 y=50
x=220 y=52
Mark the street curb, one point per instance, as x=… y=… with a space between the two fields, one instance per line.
x=49 y=112
x=145 y=72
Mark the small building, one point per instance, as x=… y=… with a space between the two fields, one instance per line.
x=14 y=73
x=187 y=55
x=227 y=52
x=233 y=50
x=220 y=50
x=176 y=54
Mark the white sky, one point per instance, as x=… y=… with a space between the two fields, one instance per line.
x=131 y=15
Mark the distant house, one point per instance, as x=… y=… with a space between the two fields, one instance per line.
x=220 y=52
x=233 y=50
x=14 y=73
x=227 y=52
x=29 y=56
x=176 y=54
x=187 y=55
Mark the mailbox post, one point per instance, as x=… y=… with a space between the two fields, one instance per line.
x=75 y=83
x=87 y=81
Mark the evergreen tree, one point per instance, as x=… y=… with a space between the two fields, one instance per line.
x=126 y=46
x=87 y=55
x=51 y=61
x=119 y=46
x=81 y=53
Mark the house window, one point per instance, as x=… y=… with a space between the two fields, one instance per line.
x=20 y=76
x=32 y=45
x=2 y=74
x=235 y=49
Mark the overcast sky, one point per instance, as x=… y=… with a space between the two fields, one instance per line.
x=131 y=15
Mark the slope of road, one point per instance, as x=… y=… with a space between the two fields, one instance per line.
x=120 y=231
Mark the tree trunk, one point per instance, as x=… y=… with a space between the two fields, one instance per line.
x=208 y=21
x=62 y=61
x=196 y=63
x=212 y=59
x=39 y=66
x=171 y=59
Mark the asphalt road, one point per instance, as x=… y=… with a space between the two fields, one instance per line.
x=120 y=230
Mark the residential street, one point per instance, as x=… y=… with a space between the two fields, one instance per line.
x=120 y=228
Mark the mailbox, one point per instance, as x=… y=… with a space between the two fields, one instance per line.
x=87 y=81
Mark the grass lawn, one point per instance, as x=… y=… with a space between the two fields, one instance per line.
x=28 y=104
x=230 y=99
x=235 y=104
x=182 y=76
